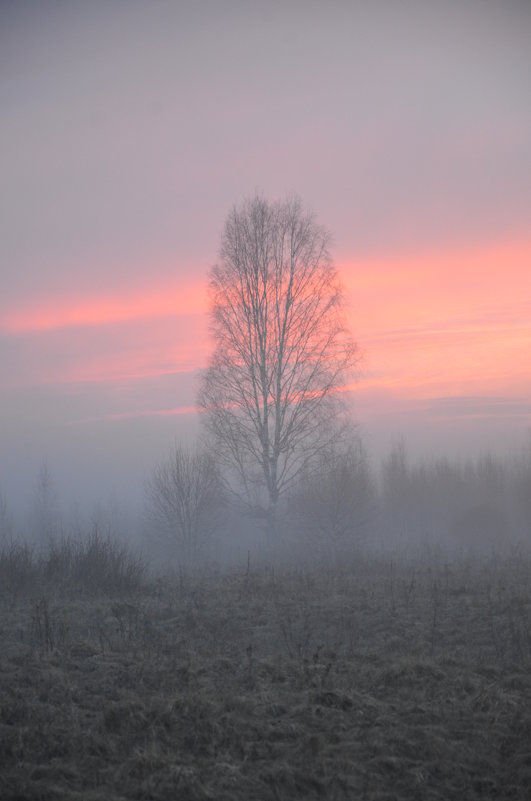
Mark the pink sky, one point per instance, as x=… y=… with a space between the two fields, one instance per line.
x=431 y=325
x=409 y=135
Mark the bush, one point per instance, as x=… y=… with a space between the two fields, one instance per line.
x=18 y=569
x=94 y=564
x=90 y=565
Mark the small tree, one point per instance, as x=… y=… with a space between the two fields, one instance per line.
x=6 y=520
x=335 y=504
x=523 y=481
x=45 y=512
x=281 y=350
x=184 y=501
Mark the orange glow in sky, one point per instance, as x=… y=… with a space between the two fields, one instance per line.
x=129 y=138
x=180 y=298
x=444 y=324
x=428 y=326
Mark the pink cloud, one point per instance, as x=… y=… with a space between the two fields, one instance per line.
x=49 y=314
x=136 y=413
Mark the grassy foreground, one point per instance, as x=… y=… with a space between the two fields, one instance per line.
x=377 y=681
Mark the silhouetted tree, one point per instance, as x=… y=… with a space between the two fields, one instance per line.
x=281 y=351
x=45 y=513
x=336 y=502
x=6 y=521
x=184 y=500
x=521 y=490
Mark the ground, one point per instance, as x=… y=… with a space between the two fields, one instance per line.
x=376 y=680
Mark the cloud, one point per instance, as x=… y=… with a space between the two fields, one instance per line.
x=116 y=352
x=177 y=411
x=482 y=407
x=47 y=314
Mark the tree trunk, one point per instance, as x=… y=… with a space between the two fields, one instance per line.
x=272 y=521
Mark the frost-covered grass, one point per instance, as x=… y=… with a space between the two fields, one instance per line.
x=378 y=681
x=89 y=564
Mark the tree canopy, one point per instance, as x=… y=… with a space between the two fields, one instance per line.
x=271 y=393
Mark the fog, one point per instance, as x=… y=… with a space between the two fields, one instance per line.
x=127 y=136
x=265 y=399
x=399 y=506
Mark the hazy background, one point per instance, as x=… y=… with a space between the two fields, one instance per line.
x=129 y=129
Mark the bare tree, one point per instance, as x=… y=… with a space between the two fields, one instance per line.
x=281 y=352
x=336 y=502
x=523 y=481
x=45 y=513
x=6 y=520
x=184 y=500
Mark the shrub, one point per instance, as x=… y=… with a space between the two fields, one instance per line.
x=91 y=565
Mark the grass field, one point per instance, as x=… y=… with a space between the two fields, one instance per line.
x=377 y=681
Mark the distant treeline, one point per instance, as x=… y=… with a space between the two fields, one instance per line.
x=342 y=506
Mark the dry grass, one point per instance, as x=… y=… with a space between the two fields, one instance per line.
x=86 y=565
x=381 y=681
